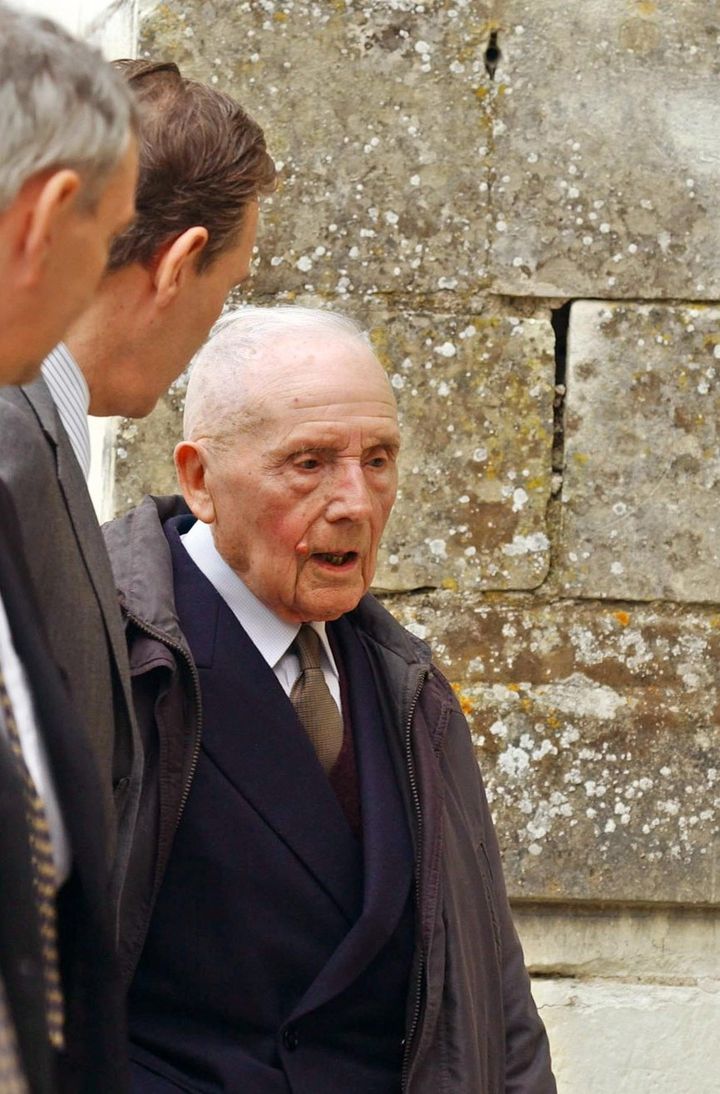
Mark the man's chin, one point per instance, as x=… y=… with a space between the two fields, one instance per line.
x=25 y=373
x=323 y=609
x=137 y=406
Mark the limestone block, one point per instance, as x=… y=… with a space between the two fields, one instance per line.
x=598 y=734
x=475 y=397
x=641 y=492
x=672 y=946
x=144 y=451
x=378 y=118
x=605 y=149
x=632 y=1038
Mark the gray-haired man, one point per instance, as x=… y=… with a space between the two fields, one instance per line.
x=68 y=166
x=315 y=901
x=68 y=162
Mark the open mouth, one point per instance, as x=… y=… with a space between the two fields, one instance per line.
x=336 y=560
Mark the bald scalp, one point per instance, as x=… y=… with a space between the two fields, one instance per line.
x=254 y=358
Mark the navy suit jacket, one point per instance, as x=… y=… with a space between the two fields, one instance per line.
x=280 y=946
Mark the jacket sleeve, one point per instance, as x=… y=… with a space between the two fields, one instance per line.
x=527 y=1052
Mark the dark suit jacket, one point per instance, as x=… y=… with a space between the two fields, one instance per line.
x=94 y=1060
x=69 y=566
x=280 y=948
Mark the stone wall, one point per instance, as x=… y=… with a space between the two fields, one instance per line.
x=532 y=240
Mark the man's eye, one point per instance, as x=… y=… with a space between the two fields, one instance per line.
x=308 y=463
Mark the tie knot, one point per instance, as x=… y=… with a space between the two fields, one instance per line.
x=309 y=647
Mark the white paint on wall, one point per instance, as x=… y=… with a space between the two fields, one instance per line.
x=109 y=24
x=608 y=1037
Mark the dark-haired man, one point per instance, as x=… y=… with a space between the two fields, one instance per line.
x=203 y=167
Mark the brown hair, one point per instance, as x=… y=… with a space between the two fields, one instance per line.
x=202 y=161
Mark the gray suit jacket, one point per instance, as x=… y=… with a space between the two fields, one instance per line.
x=71 y=571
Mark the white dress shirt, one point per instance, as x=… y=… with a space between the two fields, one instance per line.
x=71 y=395
x=271 y=635
x=33 y=746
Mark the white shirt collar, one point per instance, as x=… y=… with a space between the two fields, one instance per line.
x=71 y=395
x=272 y=635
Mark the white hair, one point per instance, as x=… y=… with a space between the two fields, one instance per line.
x=61 y=105
x=216 y=384
x=250 y=328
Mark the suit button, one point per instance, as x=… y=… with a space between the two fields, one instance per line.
x=290 y=1038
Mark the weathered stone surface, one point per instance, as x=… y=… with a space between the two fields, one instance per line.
x=598 y=733
x=377 y=114
x=612 y=1038
x=144 y=451
x=605 y=149
x=475 y=395
x=669 y=945
x=641 y=492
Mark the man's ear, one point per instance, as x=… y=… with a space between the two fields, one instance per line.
x=176 y=263
x=191 y=466
x=49 y=199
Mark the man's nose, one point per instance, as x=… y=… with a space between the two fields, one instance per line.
x=350 y=498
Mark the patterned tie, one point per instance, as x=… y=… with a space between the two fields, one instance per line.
x=11 y=1076
x=315 y=706
x=44 y=877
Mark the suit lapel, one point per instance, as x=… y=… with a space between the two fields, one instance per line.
x=71 y=761
x=251 y=732
x=124 y=745
x=83 y=518
x=386 y=840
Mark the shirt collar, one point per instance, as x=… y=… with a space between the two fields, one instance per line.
x=71 y=395
x=272 y=636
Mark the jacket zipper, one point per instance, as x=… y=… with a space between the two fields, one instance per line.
x=154 y=633
x=415 y=794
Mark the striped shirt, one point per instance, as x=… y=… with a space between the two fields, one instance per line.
x=71 y=396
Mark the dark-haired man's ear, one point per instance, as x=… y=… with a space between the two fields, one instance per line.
x=42 y=205
x=176 y=263
x=192 y=474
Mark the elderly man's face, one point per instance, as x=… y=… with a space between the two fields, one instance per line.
x=301 y=500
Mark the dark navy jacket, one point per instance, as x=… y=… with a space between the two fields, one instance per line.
x=471 y=1026
x=280 y=947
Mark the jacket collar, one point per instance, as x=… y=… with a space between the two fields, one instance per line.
x=142 y=567
x=142 y=564
x=41 y=401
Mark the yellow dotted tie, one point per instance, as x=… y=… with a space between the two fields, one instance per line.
x=11 y=1076
x=315 y=706
x=44 y=876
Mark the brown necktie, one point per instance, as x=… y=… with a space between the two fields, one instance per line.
x=44 y=877
x=315 y=706
x=11 y=1076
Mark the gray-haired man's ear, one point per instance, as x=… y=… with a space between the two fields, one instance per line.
x=37 y=211
x=195 y=479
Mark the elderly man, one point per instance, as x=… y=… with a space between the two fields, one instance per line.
x=316 y=900
x=68 y=165
x=203 y=166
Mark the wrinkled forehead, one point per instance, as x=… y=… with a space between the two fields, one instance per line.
x=306 y=370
